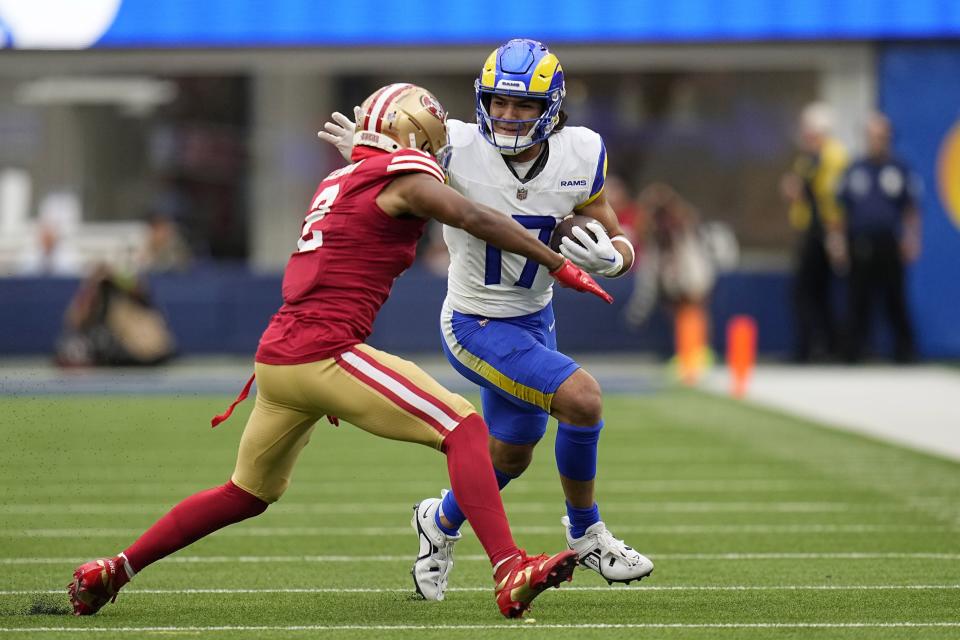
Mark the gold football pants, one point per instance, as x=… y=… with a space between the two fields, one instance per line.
x=388 y=396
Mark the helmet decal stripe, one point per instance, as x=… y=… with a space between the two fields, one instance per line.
x=489 y=76
x=373 y=100
x=543 y=74
x=380 y=105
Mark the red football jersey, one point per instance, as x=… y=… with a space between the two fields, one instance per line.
x=349 y=253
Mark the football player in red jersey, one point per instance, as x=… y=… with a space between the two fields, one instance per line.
x=359 y=234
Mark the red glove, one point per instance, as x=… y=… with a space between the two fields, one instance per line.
x=572 y=276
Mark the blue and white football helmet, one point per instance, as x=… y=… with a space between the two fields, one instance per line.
x=522 y=68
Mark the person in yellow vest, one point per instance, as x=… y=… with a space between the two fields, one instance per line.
x=810 y=188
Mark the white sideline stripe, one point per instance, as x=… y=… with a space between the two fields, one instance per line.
x=853 y=555
x=528 y=507
x=773 y=587
x=501 y=627
x=401 y=390
x=254 y=532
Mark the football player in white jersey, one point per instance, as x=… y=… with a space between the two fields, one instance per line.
x=497 y=320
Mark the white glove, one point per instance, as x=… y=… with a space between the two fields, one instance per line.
x=596 y=256
x=339 y=133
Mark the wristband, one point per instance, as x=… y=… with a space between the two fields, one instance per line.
x=633 y=256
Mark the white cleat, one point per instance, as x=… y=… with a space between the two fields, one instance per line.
x=435 y=558
x=611 y=558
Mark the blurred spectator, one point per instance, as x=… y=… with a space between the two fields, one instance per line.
x=112 y=322
x=880 y=195
x=681 y=257
x=676 y=270
x=165 y=250
x=52 y=253
x=676 y=266
x=810 y=188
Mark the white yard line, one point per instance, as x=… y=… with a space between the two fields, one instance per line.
x=329 y=590
x=377 y=486
x=495 y=627
x=681 y=529
x=393 y=507
x=851 y=555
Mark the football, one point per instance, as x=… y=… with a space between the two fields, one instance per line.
x=565 y=229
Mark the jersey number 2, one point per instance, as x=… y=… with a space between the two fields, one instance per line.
x=313 y=239
x=494 y=257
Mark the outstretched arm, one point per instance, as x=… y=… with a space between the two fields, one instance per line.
x=421 y=195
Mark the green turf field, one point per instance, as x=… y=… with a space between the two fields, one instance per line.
x=761 y=526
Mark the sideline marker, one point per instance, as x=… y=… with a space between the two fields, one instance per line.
x=741 y=352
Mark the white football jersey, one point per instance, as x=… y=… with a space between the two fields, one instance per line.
x=483 y=280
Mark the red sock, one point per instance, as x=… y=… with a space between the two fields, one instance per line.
x=199 y=515
x=475 y=485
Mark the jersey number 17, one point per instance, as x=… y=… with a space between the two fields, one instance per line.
x=494 y=257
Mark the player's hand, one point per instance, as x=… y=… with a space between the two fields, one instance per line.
x=572 y=276
x=596 y=256
x=340 y=132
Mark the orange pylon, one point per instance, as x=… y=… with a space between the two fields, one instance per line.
x=741 y=352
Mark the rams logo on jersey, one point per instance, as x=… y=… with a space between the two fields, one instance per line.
x=573 y=183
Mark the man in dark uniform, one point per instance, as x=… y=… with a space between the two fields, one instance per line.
x=880 y=195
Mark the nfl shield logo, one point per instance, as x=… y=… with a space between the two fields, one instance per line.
x=521 y=193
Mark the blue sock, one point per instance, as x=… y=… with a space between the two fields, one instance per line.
x=446 y=530
x=502 y=478
x=451 y=510
x=576 y=451
x=581 y=519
